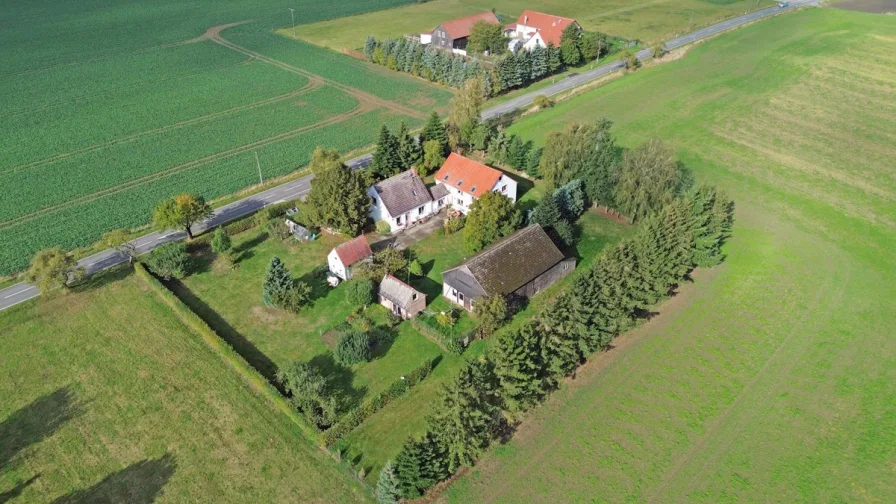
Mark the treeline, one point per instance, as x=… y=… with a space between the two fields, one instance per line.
x=528 y=362
x=512 y=70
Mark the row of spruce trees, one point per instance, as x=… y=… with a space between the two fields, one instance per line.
x=528 y=362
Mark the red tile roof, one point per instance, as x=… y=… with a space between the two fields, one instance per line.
x=467 y=175
x=353 y=251
x=550 y=27
x=460 y=28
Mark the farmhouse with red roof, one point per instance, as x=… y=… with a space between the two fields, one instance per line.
x=342 y=258
x=534 y=29
x=466 y=180
x=453 y=35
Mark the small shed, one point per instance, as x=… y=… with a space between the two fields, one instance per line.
x=400 y=298
x=300 y=233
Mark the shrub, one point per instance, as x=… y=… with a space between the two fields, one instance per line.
x=491 y=312
x=446 y=319
x=454 y=224
x=543 y=102
x=311 y=392
x=353 y=347
x=169 y=260
x=294 y=298
x=359 y=292
x=415 y=268
x=220 y=241
x=382 y=227
x=277 y=228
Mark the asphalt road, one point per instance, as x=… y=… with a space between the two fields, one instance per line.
x=295 y=189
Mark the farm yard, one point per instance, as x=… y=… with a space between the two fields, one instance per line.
x=107 y=397
x=99 y=129
x=645 y=20
x=771 y=377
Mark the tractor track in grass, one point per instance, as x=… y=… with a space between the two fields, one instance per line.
x=131 y=184
x=307 y=88
x=214 y=34
x=87 y=96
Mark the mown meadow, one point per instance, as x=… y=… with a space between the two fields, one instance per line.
x=771 y=377
x=111 y=109
x=107 y=397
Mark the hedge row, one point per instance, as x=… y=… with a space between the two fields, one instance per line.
x=447 y=338
x=357 y=416
x=255 y=380
x=245 y=223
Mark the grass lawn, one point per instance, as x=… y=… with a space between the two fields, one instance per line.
x=647 y=20
x=772 y=377
x=106 y=397
x=231 y=302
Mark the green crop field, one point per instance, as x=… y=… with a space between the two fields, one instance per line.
x=647 y=20
x=106 y=397
x=773 y=377
x=110 y=109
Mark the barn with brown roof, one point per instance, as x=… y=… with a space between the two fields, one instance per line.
x=522 y=264
x=453 y=35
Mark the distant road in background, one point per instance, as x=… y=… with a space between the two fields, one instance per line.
x=298 y=188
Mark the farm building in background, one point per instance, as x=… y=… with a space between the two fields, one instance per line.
x=453 y=35
x=466 y=180
x=534 y=29
x=522 y=264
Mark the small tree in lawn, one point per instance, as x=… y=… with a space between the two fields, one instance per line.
x=659 y=50
x=118 y=239
x=169 y=261
x=277 y=281
x=353 y=347
x=491 y=311
x=221 y=241
x=415 y=268
x=432 y=156
x=52 y=268
x=492 y=217
x=387 y=491
x=182 y=211
x=310 y=392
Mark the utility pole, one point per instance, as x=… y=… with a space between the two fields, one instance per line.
x=292 y=13
x=258 y=164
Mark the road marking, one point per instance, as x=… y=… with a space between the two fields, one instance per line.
x=14 y=294
x=22 y=301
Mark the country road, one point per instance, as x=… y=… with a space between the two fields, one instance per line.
x=295 y=189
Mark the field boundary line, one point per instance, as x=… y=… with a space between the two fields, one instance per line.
x=307 y=88
x=359 y=109
x=214 y=34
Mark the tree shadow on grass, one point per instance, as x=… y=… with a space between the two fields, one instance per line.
x=139 y=483
x=17 y=490
x=102 y=278
x=317 y=280
x=255 y=357
x=250 y=244
x=340 y=378
x=428 y=286
x=384 y=337
x=36 y=422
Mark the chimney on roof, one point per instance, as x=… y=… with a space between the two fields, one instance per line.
x=526 y=20
x=414 y=169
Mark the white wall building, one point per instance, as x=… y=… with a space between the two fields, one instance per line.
x=341 y=259
x=464 y=180
x=533 y=29
x=404 y=199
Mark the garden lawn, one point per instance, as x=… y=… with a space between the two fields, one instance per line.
x=771 y=378
x=231 y=302
x=647 y=20
x=107 y=397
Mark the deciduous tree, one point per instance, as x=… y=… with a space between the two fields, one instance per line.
x=492 y=217
x=119 y=239
x=338 y=197
x=432 y=157
x=648 y=179
x=52 y=268
x=490 y=312
x=569 y=45
x=171 y=260
x=485 y=36
x=182 y=211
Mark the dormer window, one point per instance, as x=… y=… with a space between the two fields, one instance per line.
x=473 y=189
x=459 y=182
x=446 y=177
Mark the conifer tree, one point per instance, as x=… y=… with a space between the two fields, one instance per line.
x=467 y=414
x=435 y=130
x=555 y=63
x=408 y=149
x=712 y=218
x=408 y=469
x=648 y=247
x=518 y=367
x=369 y=46
x=387 y=158
x=601 y=172
x=539 y=62
x=456 y=73
x=569 y=45
x=523 y=67
x=517 y=151
x=277 y=281
x=559 y=346
x=387 y=491
x=532 y=161
x=547 y=213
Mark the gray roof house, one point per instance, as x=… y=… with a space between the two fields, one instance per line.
x=400 y=298
x=403 y=199
x=522 y=264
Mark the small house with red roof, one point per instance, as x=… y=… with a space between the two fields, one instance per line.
x=466 y=180
x=533 y=29
x=453 y=35
x=342 y=258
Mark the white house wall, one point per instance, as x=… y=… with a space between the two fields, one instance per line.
x=336 y=266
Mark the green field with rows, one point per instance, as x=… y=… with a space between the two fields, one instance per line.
x=109 y=109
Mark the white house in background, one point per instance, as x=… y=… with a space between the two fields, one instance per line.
x=404 y=199
x=465 y=180
x=534 y=29
x=342 y=258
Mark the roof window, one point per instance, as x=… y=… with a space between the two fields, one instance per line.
x=459 y=182
x=446 y=177
x=473 y=189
